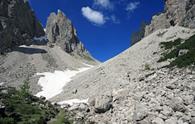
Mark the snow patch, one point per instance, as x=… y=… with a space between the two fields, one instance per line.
x=25 y=46
x=73 y=101
x=52 y=83
x=88 y=65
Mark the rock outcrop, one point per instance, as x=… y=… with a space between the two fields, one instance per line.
x=60 y=31
x=177 y=12
x=18 y=24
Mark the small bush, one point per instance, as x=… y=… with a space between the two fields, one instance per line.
x=170 y=44
x=6 y=120
x=24 y=89
x=179 y=61
x=147 y=67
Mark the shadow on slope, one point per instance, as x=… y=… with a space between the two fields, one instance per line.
x=28 y=50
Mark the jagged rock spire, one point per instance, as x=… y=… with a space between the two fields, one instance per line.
x=60 y=31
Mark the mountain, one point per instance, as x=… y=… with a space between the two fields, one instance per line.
x=152 y=82
x=61 y=32
x=176 y=12
x=135 y=87
x=27 y=50
x=18 y=24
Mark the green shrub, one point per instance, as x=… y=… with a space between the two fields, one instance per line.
x=147 y=67
x=6 y=120
x=170 y=44
x=24 y=89
x=61 y=118
x=23 y=108
x=183 y=60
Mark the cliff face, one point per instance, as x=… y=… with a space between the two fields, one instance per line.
x=60 y=31
x=177 y=12
x=18 y=24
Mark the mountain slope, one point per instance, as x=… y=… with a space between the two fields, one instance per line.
x=134 y=59
x=142 y=91
x=26 y=50
x=25 y=61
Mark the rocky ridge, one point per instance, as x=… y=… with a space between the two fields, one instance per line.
x=60 y=31
x=18 y=24
x=176 y=12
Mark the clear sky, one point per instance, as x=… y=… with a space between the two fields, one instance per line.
x=104 y=26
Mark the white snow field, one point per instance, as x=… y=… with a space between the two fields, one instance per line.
x=73 y=101
x=52 y=83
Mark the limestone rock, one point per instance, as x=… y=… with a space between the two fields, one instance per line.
x=18 y=24
x=140 y=112
x=60 y=31
x=172 y=120
x=176 y=12
x=103 y=103
x=159 y=22
x=183 y=52
x=158 y=121
x=193 y=120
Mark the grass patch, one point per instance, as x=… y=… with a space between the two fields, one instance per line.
x=173 y=48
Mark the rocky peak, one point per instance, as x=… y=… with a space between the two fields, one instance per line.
x=177 y=12
x=18 y=24
x=60 y=31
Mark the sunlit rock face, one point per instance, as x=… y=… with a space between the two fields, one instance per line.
x=18 y=24
x=177 y=12
x=60 y=31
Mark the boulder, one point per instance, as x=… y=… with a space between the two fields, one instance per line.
x=183 y=52
x=141 y=112
x=171 y=120
x=177 y=104
x=158 y=120
x=167 y=111
x=102 y=103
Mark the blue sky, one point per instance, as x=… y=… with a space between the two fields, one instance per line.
x=104 y=26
